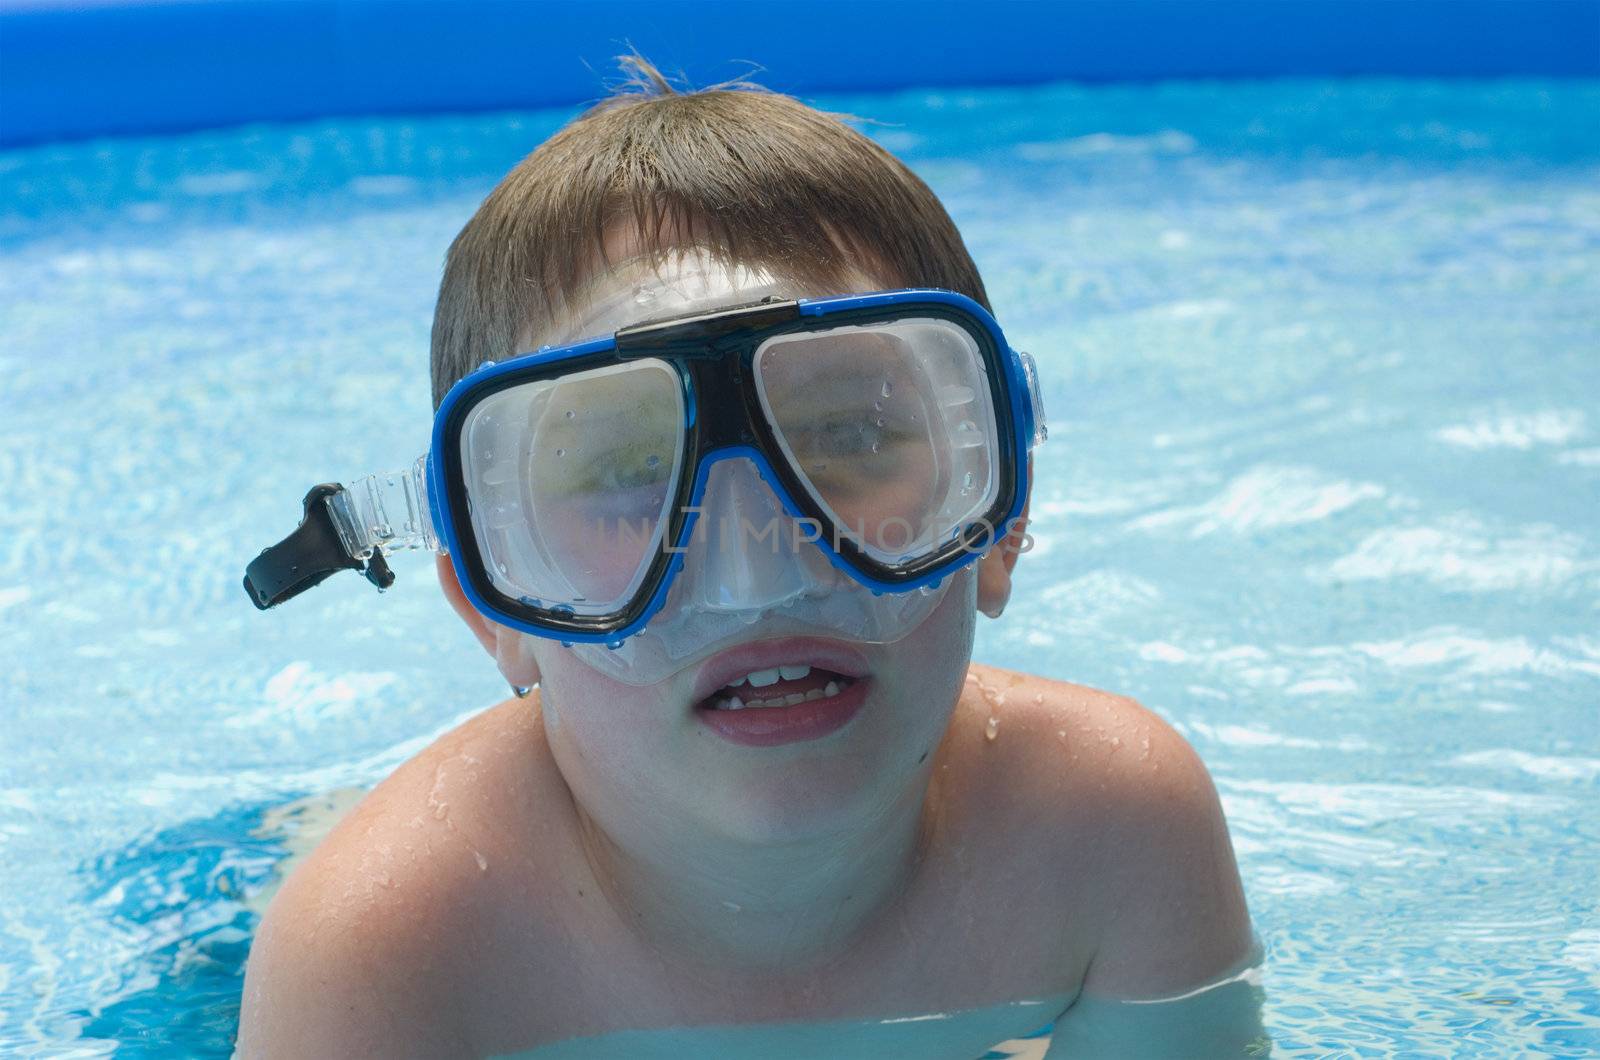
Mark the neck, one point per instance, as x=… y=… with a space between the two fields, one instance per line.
x=725 y=906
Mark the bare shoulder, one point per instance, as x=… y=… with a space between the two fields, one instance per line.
x=1129 y=819
x=1052 y=738
x=366 y=949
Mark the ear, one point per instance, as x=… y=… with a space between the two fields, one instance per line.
x=994 y=569
x=511 y=649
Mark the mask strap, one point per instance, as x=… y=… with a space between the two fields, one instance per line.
x=346 y=528
x=1039 y=430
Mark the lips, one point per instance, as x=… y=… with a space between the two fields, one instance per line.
x=781 y=691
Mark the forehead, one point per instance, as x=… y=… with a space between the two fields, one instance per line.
x=644 y=284
x=656 y=288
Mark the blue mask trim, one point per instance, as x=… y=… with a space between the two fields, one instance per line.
x=1022 y=421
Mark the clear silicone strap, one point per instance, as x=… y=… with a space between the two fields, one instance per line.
x=346 y=527
x=385 y=513
x=1030 y=372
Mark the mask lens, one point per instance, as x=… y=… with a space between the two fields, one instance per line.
x=570 y=480
x=890 y=426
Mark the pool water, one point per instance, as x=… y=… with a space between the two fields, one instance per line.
x=1322 y=363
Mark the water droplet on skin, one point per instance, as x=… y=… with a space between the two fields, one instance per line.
x=1061 y=734
x=992 y=730
x=994 y=697
x=1038 y=700
x=483 y=862
x=1116 y=741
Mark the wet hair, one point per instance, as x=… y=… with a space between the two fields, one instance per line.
x=750 y=175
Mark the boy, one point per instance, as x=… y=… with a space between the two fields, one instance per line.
x=758 y=783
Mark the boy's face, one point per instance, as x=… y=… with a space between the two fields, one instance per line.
x=662 y=755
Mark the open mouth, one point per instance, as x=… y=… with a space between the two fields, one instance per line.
x=777 y=687
x=782 y=690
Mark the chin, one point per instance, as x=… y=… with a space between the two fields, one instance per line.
x=805 y=797
x=840 y=783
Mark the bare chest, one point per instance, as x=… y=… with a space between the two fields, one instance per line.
x=976 y=954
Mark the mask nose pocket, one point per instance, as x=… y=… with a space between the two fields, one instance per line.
x=746 y=552
x=748 y=561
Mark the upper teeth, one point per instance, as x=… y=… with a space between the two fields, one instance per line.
x=763 y=678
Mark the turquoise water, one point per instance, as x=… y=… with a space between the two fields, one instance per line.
x=1322 y=363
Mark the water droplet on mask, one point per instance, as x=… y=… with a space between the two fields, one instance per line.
x=991 y=731
x=652 y=461
x=876 y=447
x=888 y=388
x=877 y=406
x=484 y=364
x=818 y=468
x=561 y=452
x=570 y=414
x=878 y=422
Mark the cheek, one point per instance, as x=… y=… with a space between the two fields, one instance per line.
x=928 y=666
x=944 y=639
x=597 y=722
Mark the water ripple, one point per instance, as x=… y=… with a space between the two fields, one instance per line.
x=1465 y=554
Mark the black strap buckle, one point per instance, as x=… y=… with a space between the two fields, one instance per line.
x=308 y=556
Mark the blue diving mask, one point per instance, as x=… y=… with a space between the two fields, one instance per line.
x=643 y=495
